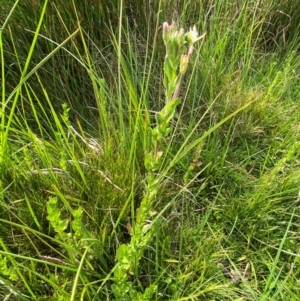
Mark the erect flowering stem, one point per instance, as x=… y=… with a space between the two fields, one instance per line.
x=179 y=48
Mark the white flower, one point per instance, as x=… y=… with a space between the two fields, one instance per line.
x=192 y=36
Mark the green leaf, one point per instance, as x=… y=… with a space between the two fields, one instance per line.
x=77 y=223
x=3 y=266
x=53 y=212
x=123 y=255
x=149 y=291
x=61 y=226
x=54 y=216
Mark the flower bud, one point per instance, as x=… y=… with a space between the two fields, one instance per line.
x=184 y=63
x=166 y=32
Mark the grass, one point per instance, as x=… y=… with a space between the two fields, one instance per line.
x=81 y=85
